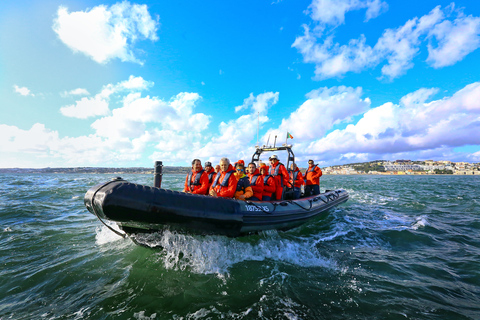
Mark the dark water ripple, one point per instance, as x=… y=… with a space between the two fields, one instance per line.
x=402 y=247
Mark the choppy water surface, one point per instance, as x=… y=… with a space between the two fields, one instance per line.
x=402 y=247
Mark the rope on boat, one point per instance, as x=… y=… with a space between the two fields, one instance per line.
x=123 y=235
x=311 y=203
x=319 y=197
x=334 y=195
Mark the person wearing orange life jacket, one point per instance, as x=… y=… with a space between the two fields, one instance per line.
x=296 y=180
x=225 y=183
x=312 y=179
x=244 y=190
x=210 y=173
x=196 y=181
x=256 y=182
x=280 y=173
x=269 y=184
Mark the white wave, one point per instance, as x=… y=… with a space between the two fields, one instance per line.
x=330 y=237
x=216 y=254
x=141 y=316
x=365 y=197
x=105 y=235
x=420 y=223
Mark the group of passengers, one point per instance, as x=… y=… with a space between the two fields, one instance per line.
x=264 y=183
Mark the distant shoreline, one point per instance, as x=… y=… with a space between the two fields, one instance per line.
x=183 y=170
x=96 y=170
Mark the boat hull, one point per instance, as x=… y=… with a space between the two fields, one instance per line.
x=142 y=209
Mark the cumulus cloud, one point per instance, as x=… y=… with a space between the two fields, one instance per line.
x=140 y=123
x=235 y=137
x=455 y=40
x=49 y=149
x=323 y=109
x=130 y=121
x=86 y=108
x=106 y=32
x=24 y=91
x=324 y=127
x=395 y=49
x=99 y=104
x=415 y=125
x=260 y=103
x=332 y=12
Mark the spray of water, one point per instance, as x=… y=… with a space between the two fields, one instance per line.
x=216 y=254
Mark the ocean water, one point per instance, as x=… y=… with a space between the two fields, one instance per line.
x=402 y=247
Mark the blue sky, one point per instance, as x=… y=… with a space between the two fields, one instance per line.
x=114 y=84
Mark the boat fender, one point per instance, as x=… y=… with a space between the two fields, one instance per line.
x=123 y=235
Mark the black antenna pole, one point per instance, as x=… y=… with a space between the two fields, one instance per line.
x=157 y=174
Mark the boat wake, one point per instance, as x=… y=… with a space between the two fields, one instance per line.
x=104 y=235
x=217 y=254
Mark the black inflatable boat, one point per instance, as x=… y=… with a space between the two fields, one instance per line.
x=140 y=209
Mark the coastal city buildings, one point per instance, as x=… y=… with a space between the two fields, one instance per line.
x=400 y=167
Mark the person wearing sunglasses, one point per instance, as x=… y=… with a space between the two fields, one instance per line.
x=244 y=190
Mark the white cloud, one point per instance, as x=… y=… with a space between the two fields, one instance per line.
x=396 y=47
x=455 y=40
x=131 y=120
x=104 y=33
x=149 y=127
x=375 y=8
x=24 y=91
x=86 y=108
x=260 y=103
x=47 y=148
x=475 y=157
x=75 y=92
x=235 y=136
x=140 y=123
x=323 y=109
x=412 y=126
x=332 y=12
x=99 y=104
